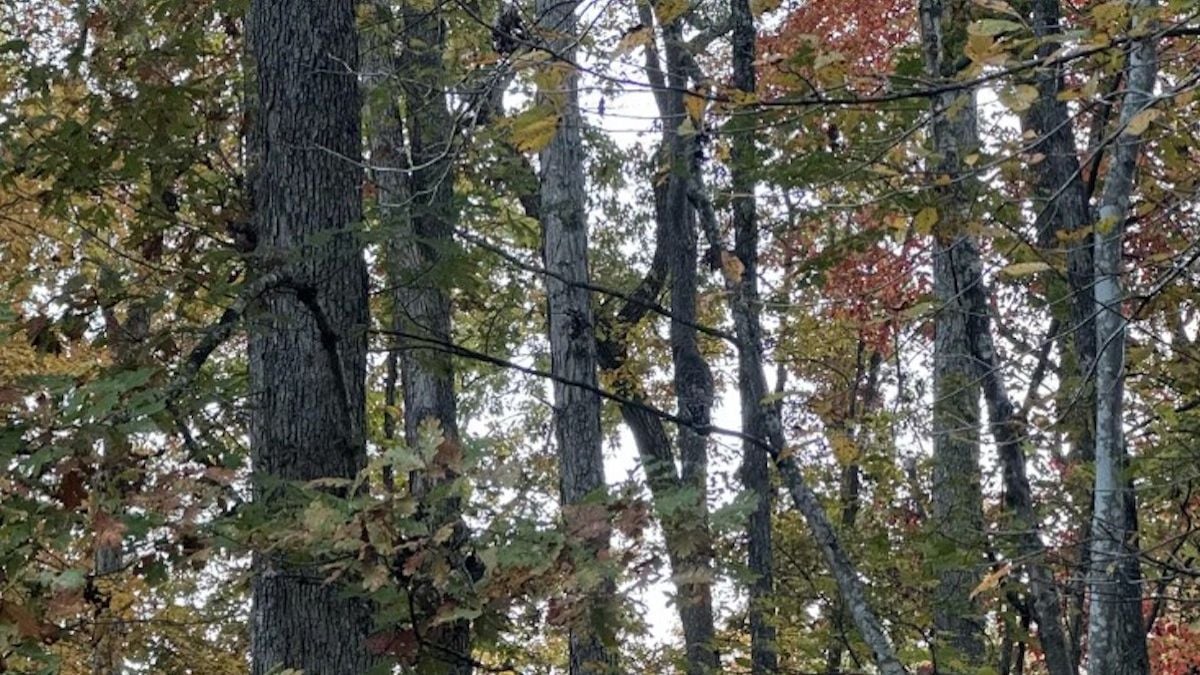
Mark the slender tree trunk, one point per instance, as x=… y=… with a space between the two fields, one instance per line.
x=419 y=212
x=686 y=529
x=1008 y=432
x=573 y=349
x=1116 y=634
x=127 y=340
x=851 y=588
x=957 y=516
x=308 y=358
x=755 y=474
x=1063 y=215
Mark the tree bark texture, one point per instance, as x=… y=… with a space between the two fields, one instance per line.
x=1116 y=635
x=563 y=203
x=752 y=386
x=421 y=212
x=1008 y=432
x=308 y=351
x=957 y=516
x=1063 y=217
x=686 y=529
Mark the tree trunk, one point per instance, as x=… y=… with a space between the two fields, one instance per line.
x=573 y=349
x=419 y=213
x=308 y=356
x=1007 y=432
x=1061 y=201
x=685 y=529
x=755 y=474
x=957 y=516
x=1116 y=635
x=851 y=588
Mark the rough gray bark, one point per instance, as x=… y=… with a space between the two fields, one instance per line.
x=308 y=356
x=1008 y=432
x=563 y=202
x=1116 y=635
x=419 y=211
x=1063 y=215
x=685 y=529
x=746 y=307
x=957 y=517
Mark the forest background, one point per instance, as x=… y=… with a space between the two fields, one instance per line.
x=456 y=336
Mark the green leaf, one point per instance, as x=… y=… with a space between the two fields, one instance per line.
x=1024 y=269
x=993 y=27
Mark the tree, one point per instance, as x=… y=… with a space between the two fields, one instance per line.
x=957 y=518
x=1116 y=633
x=572 y=330
x=308 y=347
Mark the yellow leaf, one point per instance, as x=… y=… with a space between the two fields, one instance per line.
x=1141 y=122
x=695 y=105
x=992 y=580
x=669 y=10
x=1021 y=97
x=925 y=219
x=534 y=129
x=845 y=450
x=732 y=266
x=632 y=40
x=1025 y=269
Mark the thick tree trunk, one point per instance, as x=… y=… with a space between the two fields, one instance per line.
x=1116 y=635
x=573 y=349
x=752 y=389
x=308 y=355
x=957 y=516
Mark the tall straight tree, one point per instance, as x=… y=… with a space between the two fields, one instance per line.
x=422 y=213
x=308 y=355
x=1061 y=203
x=1116 y=636
x=957 y=516
x=563 y=204
x=752 y=387
x=686 y=527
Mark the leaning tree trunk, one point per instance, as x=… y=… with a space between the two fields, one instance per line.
x=308 y=354
x=1116 y=635
x=755 y=474
x=563 y=202
x=957 y=516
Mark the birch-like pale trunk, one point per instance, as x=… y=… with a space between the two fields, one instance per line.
x=572 y=330
x=308 y=356
x=1116 y=635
